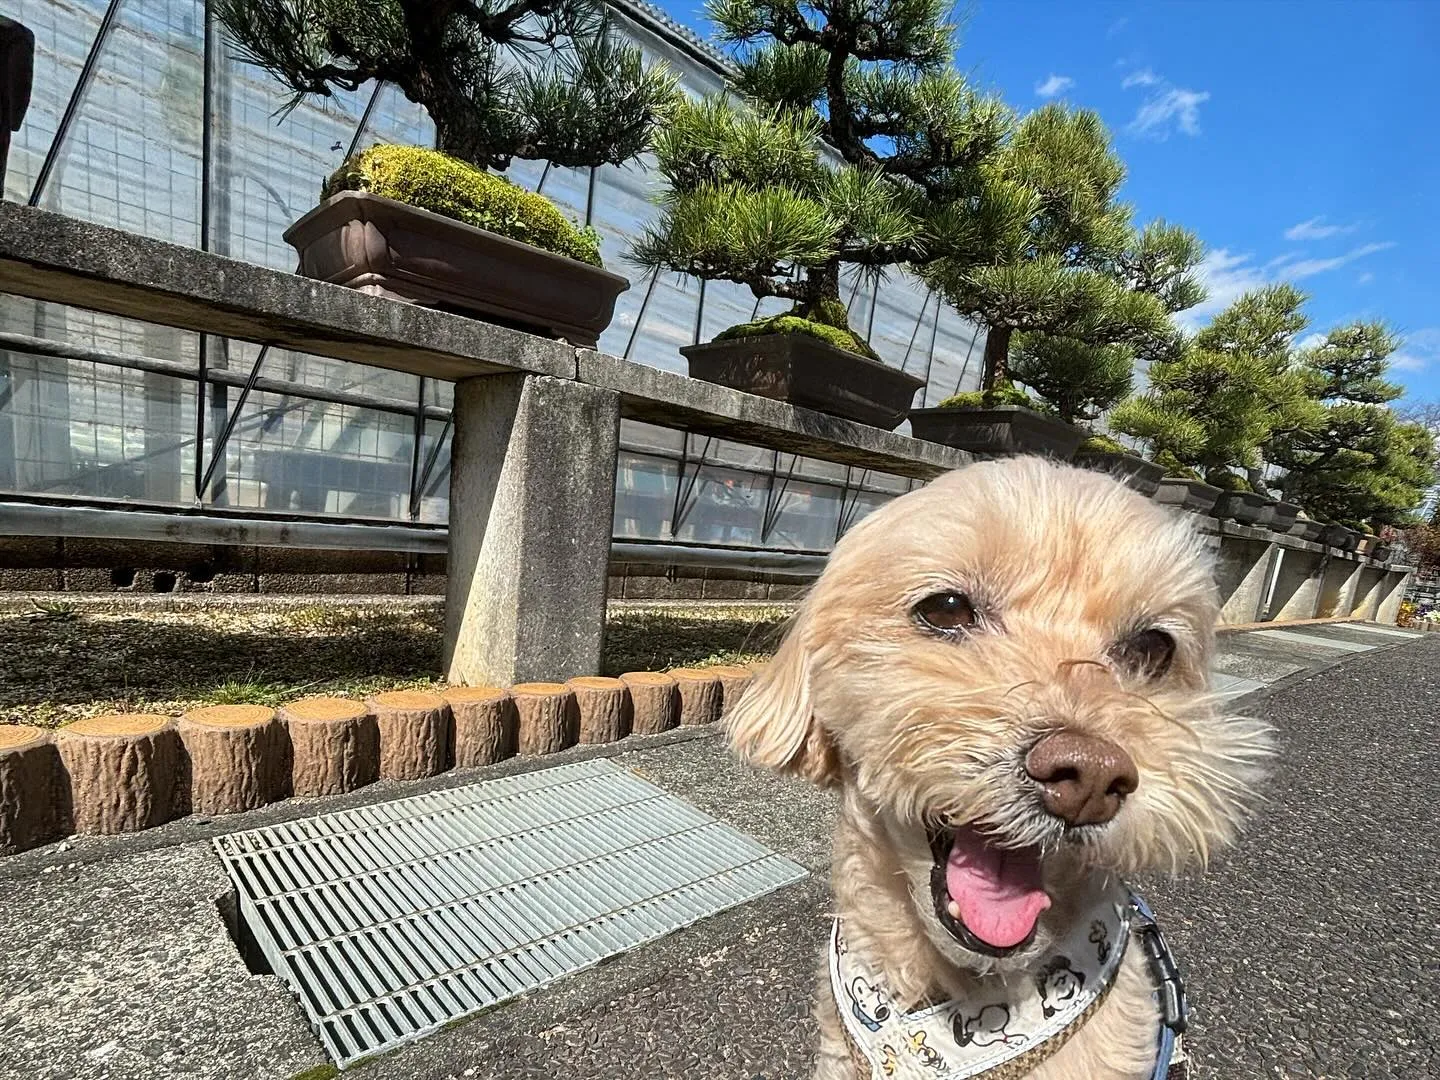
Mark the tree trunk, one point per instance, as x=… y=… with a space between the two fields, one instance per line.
x=28 y=768
x=997 y=357
x=119 y=772
x=236 y=758
x=655 y=702
x=547 y=718
x=335 y=746
x=603 y=706
x=700 y=695
x=485 y=724
x=414 y=729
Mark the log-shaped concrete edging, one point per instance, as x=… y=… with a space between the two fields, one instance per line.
x=129 y=771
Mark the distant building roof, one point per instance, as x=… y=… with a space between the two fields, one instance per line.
x=657 y=20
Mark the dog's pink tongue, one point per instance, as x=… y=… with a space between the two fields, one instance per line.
x=998 y=890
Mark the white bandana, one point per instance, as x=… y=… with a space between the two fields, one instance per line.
x=959 y=1039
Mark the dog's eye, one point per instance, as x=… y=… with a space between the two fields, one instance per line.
x=946 y=611
x=1147 y=653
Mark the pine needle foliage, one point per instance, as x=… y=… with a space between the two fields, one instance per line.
x=1071 y=265
x=1358 y=463
x=1232 y=389
x=542 y=80
x=844 y=138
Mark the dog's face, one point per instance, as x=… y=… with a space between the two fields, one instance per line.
x=1008 y=669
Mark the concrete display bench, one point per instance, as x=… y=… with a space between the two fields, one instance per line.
x=536 y=424
x=536 y=442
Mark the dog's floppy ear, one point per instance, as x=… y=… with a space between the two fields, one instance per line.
x=773 y=725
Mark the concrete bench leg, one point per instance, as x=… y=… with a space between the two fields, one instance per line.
x=532 y=501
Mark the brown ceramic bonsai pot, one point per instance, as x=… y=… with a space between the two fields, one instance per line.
x=389 y=248
x=803 y=370
x=1313 y=531
x=1130 y=469
x=1282 y=516
x=1193 y=495
x=1341 y=537
x=1000 y=431
x=1241 y=507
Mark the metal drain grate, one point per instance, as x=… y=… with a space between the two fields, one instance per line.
x=392 y=920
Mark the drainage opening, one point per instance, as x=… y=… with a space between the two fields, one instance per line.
x=164 y=581
x=122 y=577
x=395 y=920
x=228 y=908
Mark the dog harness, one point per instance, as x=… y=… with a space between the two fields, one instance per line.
x=1009 y=1032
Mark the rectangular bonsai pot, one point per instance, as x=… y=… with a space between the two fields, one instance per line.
x=1341 y=537
x=803 y=370
x=1311 y=530
x=1242 y=507
x=1130 y=469
x=1192 y=495
x=388 y=248
x=1000 y=431
x=1282 y=516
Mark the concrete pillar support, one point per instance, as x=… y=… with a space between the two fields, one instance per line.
x=532 y=496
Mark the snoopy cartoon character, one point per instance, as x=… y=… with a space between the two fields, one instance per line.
x=985 y=1028
x=1060 y=984
x=869 y=1003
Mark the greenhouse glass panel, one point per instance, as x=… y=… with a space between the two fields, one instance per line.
x=645 y=496
x=84 y=429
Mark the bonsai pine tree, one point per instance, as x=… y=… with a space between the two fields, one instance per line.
x=1359 y=464
x=1204 y=414
x=846 y=138
x=1231 y=391
x=1075 y=381
x=1079 y=381
x=501 y=79
x=1072 y=266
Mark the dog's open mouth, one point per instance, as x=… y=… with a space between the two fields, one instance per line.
x=988 y=897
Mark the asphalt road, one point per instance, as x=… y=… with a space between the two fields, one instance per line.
x=1311 y=952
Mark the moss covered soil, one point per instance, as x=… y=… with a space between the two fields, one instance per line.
x=455 y=189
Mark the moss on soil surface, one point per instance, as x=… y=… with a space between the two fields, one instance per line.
x=1101 y=444
x=445 y=185
x=1004 y=394
x=841 y=337
x=54 y=670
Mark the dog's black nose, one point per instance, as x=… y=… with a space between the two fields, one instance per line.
x=1082 y=779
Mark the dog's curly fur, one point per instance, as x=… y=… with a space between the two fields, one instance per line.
x=919 y=728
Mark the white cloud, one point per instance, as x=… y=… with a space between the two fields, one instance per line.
x=1309 y=341
x=1055 y=84
x=1419 y=351
x=1118 y=25
x=1143 y=77
x=1310 y=267
x=1365 y=278
x=1316 y=229
x=1166 y=107
x=1227 y=275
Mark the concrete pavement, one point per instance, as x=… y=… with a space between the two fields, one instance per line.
x=1310 y=953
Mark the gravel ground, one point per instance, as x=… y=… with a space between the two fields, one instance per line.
x=60 y=661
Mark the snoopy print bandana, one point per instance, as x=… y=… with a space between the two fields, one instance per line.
x=1005 y=1034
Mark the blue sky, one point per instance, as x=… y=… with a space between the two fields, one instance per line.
x=1300 y=140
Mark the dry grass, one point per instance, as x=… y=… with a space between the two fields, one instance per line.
x=61 y=663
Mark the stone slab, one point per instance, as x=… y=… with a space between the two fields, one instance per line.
x=670 y=400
